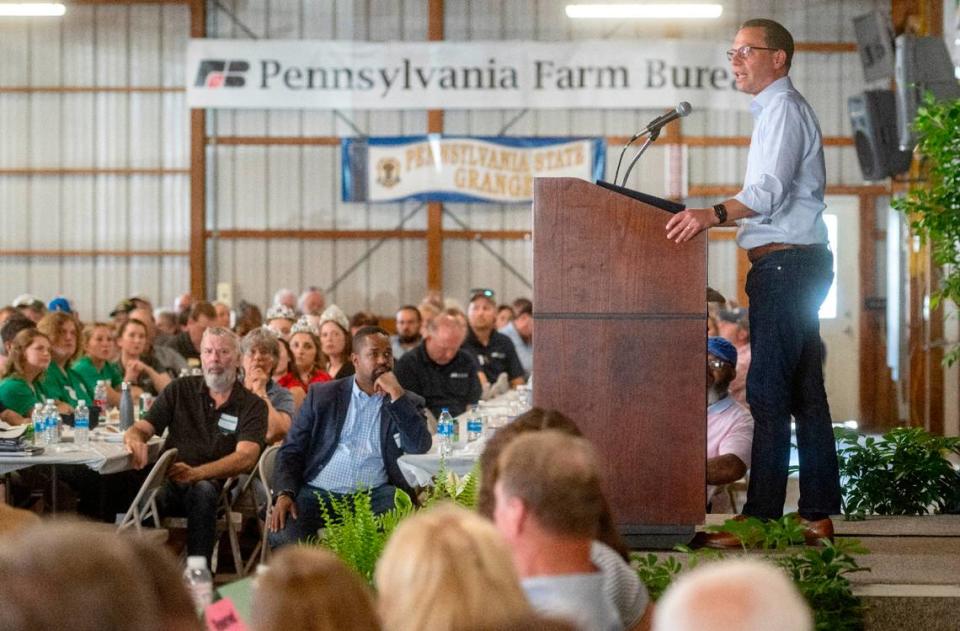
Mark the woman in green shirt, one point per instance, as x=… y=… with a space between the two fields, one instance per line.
x=59 y=382
x=28 y=359
x=100 y=348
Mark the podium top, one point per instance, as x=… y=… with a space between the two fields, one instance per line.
x=652 y=200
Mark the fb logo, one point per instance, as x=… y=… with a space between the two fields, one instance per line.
x=218 y=73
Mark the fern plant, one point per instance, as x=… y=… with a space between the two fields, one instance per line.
x=449 y=486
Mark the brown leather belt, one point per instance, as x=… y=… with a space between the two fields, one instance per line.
x=757 y=253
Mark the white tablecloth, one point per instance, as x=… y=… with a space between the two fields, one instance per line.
x=101 y=456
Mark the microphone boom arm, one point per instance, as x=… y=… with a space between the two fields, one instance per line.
x=650 y=138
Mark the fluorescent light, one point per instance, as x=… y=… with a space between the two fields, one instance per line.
x=32 y=9
x=644 y=11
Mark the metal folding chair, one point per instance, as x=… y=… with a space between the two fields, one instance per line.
x=144 y=505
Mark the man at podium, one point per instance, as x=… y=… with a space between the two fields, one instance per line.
x=779 y=212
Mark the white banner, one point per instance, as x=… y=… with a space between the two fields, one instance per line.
x=462 y=169
x=601 y=74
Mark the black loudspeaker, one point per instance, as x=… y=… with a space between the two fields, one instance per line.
x=923 y=65
x=873 y=116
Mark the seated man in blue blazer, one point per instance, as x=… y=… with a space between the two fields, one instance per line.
x=347 y=437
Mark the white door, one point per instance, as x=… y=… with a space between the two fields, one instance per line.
x=840 y=314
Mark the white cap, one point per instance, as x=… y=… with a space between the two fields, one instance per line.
x=197 y=562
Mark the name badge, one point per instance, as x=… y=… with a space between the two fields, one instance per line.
x=459 y=375
x=498 y=355
x=227 y=423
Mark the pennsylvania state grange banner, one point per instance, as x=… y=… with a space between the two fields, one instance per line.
x=348 y=75
x=462 y=169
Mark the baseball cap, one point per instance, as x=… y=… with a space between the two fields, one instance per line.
x=124 y=306
x=489 y=294
x=60 y=303
x=29 y=301
x=722 y=349
x=739 y=316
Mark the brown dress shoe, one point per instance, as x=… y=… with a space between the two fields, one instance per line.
x=719 y=540
x=816 y=530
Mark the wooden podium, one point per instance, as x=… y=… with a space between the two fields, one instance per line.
x=620 y=347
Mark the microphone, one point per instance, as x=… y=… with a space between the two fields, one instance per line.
x=679 y=112
x=653 y=128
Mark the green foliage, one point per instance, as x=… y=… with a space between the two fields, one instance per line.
x=904 y=473
x=357 y=535
x=821 y=576
x=934 y=209
x=755 y=533
x=448 y=486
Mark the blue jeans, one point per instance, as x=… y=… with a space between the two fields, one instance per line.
x=786 y=289
x=198 y=502
x=309 y=518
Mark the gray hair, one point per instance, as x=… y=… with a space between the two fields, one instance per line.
x=263 y=340
x=283 y=293
x=219 y=331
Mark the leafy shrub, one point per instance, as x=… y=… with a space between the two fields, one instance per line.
x=904 y=473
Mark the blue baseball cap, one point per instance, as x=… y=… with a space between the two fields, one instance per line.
x=722 y=349
x=60 y=304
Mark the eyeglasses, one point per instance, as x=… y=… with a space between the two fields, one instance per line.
x=715 y=363
x=744 y=51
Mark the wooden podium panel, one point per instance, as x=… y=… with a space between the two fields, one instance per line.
x=620 y=345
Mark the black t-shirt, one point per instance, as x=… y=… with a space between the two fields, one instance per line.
x=184 y=345
x=499 y=355
x=453 y=386
x=200 y=431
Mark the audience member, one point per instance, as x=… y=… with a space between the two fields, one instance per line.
x=734 y=326
x=5 y=313
x=438 y=370
x=183 y=303
x=505 y=316
x=248 y=318
x=122 y=311
x=347 y=436
x=311 y=589
x=13 y=324
x=733 y=595
x=280 y=319
x=200 y=316
x=217 y=425
x=68 y=575
x=428 y=311
x=408 y=331
x=608 y=552
x=548 y=506
x=729 y=424
x=161 y=357
x=163 y=575
x=166 y=324
x=335 y=342
x=137 y=369
x=223 y=314
x=361 y=319
x=312 y=301
x=260 y=351
x=287 y=298
x=307 y=363
x=96 y=364
x=27 y=360
x=493 y=351
x=520 y=332
x=459 y=567
x=30 y=306
x=59 y=382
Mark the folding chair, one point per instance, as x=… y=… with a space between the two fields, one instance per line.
x=144 y=505
x=265 y=471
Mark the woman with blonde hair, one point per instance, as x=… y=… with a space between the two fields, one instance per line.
x=310 y=589
x=447 y=568
x=59 y=382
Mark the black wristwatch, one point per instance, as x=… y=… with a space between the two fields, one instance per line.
x=721 y=212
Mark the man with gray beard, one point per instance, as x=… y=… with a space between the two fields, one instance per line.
x=218 y=428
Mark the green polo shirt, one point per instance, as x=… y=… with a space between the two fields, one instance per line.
x=18 y=395
x=89 y=375
x=64 y=386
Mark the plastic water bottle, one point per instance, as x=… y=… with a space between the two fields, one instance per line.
x=100 y=398
x=445 y=432
x=39 y=425
x=81 y=424
x=474 y=425
x=199 y=582
x=53 y=421
x=126 y=407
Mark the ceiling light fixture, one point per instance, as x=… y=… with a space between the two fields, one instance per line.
x=32 y=9
x=644 y=11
